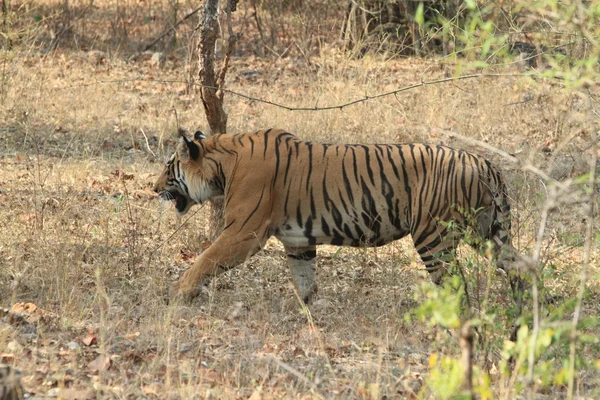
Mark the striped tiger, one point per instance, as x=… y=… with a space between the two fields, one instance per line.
x=307 y=194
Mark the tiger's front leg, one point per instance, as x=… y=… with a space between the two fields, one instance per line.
x=225 y=253
x=302 y=262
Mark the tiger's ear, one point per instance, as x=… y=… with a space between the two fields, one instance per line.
x=187 y=149
x=199 y=136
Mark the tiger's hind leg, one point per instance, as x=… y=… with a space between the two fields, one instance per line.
x=494 y=226
x=302 y=262
x=435 y=247
x=437 y=262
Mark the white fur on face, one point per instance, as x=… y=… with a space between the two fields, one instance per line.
x=200 y=190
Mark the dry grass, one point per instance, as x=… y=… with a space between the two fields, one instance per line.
x=82 y=235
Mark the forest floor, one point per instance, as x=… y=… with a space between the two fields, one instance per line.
x=87 y=251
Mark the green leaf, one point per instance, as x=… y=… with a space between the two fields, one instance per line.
x=582 y=178
x=419 y=17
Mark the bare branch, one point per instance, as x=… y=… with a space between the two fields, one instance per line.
x=231 y=42
x=147 y=143
x=214 y=87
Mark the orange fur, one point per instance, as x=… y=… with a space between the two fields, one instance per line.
x=307 y=194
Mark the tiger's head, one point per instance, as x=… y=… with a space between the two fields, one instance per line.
x=188 y=178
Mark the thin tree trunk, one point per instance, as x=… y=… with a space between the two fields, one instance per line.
x=211 y=83
x=208 y=28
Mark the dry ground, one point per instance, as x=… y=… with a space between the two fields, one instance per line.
x=83 y=237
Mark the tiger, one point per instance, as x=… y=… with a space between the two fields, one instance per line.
x=308 y=194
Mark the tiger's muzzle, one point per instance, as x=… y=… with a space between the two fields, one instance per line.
x=182 y=202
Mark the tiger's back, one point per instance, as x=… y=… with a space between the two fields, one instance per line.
x=307 y=194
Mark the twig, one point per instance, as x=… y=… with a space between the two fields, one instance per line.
x=586 y=263
x=314 y=108
x=514 y=103
x=257 y=19
x=231 y=42
x=171 y=29
x=147 y=143
x=176 y=120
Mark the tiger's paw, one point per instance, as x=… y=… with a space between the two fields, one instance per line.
x=311 y=295
x=298 y=301
x=308 y=294
x=182 y=292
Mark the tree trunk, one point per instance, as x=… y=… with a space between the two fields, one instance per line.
x=208 y=28
x=211 y=83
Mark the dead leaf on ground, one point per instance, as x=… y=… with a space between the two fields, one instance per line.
x=33 y=313
x=144 y=194
x=299 y=352
x=101 y=363
x=132 y=336
x=186 y=255
x=77 y=394
x=121 y=175
x=255 y=396
x=90 y=339
x=152 y=390
x=8 y=358
x=210 y=376
x=27 y=217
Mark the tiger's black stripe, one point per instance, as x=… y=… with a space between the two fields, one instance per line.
x=308 y=194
